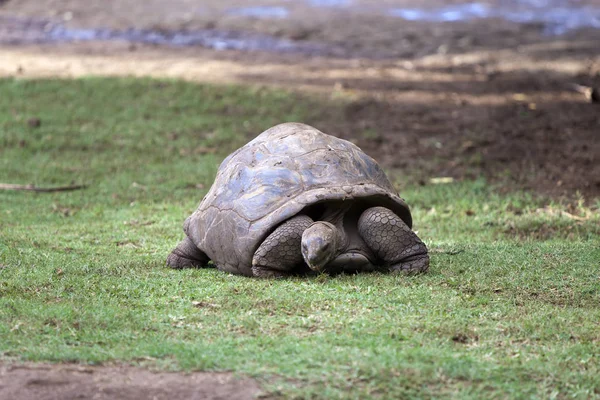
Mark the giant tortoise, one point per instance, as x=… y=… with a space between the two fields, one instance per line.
x=296 y=200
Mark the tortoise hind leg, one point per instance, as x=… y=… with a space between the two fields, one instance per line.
x=187 y=255
x=393 y=241
x=280 y=253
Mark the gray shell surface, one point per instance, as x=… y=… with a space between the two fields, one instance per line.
x=272 y=178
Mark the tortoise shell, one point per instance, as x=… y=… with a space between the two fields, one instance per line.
x=283 y=171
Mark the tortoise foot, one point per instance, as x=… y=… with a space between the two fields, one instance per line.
x=187 y=255
x=416 y=265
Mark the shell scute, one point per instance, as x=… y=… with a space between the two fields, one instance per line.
x=261 y=189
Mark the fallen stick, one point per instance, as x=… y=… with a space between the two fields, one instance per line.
x=591 y=93
x=33 y=188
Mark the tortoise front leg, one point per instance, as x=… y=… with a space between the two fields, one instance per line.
x=393 y=241
x=280 y=253
x=187 y=255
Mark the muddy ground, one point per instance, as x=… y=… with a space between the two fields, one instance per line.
x=488 y=98
x=66 y=382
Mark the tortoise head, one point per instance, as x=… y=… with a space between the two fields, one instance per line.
x=320 y=244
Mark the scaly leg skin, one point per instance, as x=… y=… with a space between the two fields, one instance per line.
x=280 y=252
x=187 y=255
x=393 y=241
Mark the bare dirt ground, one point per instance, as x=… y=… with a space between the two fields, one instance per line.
x=65 y=382
x=464 y=99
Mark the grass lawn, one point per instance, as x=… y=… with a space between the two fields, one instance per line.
x=509 y=309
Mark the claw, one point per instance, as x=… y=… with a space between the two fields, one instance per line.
x=412 y=265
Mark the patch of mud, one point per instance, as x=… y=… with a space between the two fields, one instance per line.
x=64 y=381
x=357 y=28
x=558 y=17
x=22 y=31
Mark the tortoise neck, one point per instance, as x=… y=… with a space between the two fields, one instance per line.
x=334 y=214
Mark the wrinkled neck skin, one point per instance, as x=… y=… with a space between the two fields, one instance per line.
x=325 y=239
x=335 y=216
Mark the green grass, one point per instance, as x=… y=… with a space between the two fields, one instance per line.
x=510 y=308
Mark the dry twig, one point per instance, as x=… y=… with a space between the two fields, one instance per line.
x=33 y=188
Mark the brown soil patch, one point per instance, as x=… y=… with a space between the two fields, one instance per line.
x=64 y=381
x=481 y=98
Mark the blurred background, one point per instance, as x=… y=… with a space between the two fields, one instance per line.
x=434 y=89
